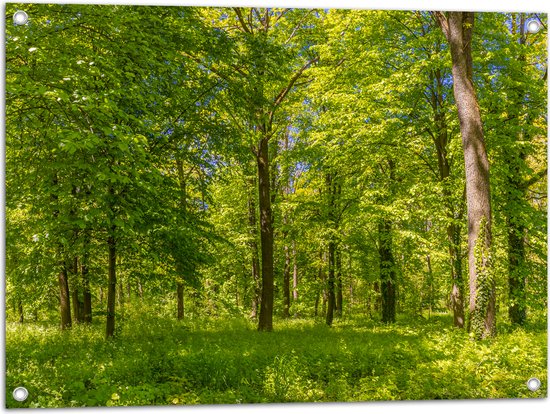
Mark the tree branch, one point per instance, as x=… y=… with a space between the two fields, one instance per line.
x=241 y=19
x=443 y=22
x=284 y=92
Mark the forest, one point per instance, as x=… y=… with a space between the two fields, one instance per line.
x=211 y=205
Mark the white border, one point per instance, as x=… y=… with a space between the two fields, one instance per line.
x=414 y=407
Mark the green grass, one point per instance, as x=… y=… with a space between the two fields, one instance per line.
x=157 y=361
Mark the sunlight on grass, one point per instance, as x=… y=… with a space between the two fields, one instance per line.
x=160 y=361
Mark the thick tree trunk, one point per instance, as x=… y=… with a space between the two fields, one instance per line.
x=265 y=322
x=111 y=288
x=457 y=27
x=387 y=271
x=64 y=298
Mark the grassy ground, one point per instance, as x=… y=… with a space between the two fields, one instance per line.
x=157 y=361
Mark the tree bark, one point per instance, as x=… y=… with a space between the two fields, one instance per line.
x=457 y=27
x=111 y=288
x=265 y=322
x=253 y=244
x=65 y=304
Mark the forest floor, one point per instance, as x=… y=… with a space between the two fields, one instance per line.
x=161 y=361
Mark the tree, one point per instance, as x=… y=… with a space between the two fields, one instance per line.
x=458 y=29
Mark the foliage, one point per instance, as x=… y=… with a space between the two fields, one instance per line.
x=133 y=139
x=157 y=361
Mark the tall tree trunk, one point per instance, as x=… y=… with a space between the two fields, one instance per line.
x=64 y=298
x=265 y=322
x=387 y=271
x=111 y=288
x=457 y=27
x=253 y=244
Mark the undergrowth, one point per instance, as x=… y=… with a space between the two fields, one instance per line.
x=160 y=361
